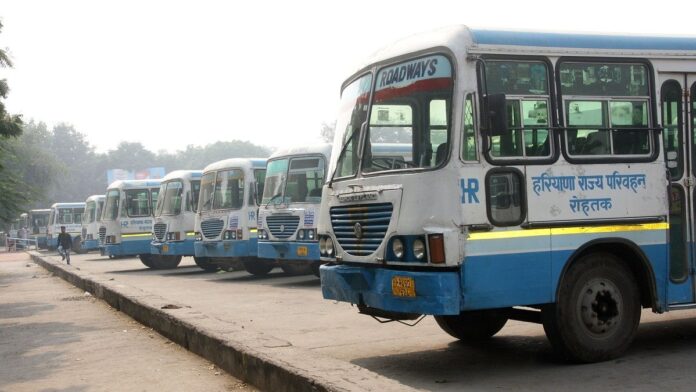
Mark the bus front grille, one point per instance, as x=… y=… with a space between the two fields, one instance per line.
x=160 y=229
x=360 y=229
x=282 y=226
x=102 y=234
x=212 y=228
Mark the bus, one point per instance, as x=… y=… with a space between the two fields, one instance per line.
x=126 y=226
x=550 y=181
x=287 y=212
x=64 y=214
x=89 y=238
x=38 y=223
x=172 y=232
x=225 y=225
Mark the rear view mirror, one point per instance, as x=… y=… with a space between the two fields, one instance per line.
x=495 y=106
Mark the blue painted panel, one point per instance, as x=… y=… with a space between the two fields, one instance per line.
x=127 y=248
x=279 y=250
x=89 y=245
x=230 y=248
x=436 y=292
x=589 y=41
x=175 y=248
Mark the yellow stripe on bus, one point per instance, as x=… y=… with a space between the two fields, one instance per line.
x=190 y=233
x=253 y=230
x=136 y=235
x=493 y=235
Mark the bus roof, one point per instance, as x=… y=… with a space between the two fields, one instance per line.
x=182 y=175
x=241 y=163
x=95 y=198
x=40 y=211
x=68 y=205
x=134 y=184
x=313 y=149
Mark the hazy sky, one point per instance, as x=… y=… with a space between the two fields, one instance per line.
x=173 y=73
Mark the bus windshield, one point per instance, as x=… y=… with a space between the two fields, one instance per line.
x=229 y=189
x=352 y=113
x=170 y=195
x=195 y=192
x=138 y=202
x=206 y=193
x=305 y=177
x=111 y=207
x=68 y=216
x=410 y=109
x=90 y=211
x=275 y=180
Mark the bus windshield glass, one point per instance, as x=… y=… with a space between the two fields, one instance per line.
x=410 y=116
x=275 y=180
x=170 y=198
x=229 y=189
x=195 y=192
x=352 y=113
x=69 y=216
x=111 y=207
x=206 y=195
x=138 y=202
x=90 y=211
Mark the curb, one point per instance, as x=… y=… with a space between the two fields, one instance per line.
x=264 y=361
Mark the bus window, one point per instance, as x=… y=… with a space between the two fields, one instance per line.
x=138 y=202
x=112 y=205
x=192 y=205
x=352 y=113
x=171 y=199
x=207 y=192
x=229 y=189
x=505 y=197
x=260 y=178
x=305 y=179
x=65 y=216
x=469 y=138
x=672 y=121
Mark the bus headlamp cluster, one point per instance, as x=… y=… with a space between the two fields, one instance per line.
x=407 y=248
x=174 y=236
x=233 y=234
x=198 y=236
x=263 y=235
x=307 y=234
x=326 y=246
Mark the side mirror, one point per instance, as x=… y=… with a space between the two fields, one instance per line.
x=495 y=107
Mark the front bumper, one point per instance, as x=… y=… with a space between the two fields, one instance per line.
x=437 y=292
x=229 y=248
x=290 y=250
x=174 y=248
x=90 y=245
x=126 y=248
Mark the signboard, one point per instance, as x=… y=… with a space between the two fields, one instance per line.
x=144 y=174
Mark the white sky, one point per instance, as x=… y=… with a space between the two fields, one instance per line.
x=173 y=73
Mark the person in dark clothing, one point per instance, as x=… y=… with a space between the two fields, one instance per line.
x=64 y=244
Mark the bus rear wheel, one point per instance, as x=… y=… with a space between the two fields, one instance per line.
x=473 y=325
x=206 y=264
x=597 y=311
x=77 y=245
x=163 y=261
x=258 y=267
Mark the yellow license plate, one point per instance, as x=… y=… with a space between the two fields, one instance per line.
x=165 y=248
x=302 y=251
x=403 y=286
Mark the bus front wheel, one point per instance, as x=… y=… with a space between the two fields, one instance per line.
x=258 y=267
x=597 y=311
x=163 y=261
x=77 y=245
x=206 y=264
x=473 y=325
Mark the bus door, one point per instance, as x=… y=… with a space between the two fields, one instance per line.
x=677 y=109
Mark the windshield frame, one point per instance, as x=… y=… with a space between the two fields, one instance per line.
x=286 y=176
x=216 y=173
x=163 y=192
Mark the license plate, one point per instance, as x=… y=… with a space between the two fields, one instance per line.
x=302 y=251
x=165 y=248
x=403 y=286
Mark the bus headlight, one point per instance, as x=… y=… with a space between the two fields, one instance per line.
x=418 y=249
x=322 y=246
x=230 y=235
x=311 y=234
x=262 y=234
x=329 y=246
x=398 y=248
x=301 y=234
x=198 y=236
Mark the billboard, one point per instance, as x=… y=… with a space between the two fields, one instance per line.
x=144 y=174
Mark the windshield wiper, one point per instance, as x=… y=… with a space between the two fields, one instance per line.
x=343 y=149
x=277 y=195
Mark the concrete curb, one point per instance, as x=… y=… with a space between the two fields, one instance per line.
x=264 y=361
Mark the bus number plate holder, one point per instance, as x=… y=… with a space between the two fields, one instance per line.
x=302 y=251
x=165 y=248
x=403 y=286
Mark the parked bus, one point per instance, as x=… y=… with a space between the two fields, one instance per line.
x=287 y=213
x=225 y=228
x=64 y=214
x=91 y=221
x=537 y=190
x=126 y=227
x=175 y=215
x=38 y=224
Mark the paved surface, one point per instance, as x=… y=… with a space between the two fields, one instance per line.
x=290 y=308
x=55 y=338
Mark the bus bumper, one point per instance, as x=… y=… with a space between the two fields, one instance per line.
x=88 y=245
x=178 y=248
x=126 y=248
x=222 y=249
x=436 y=293
x=288 y=251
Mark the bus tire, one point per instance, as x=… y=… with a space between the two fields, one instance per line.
x=164 y=261
x=206 y=264
x=145 y=259
x=296 y=269
x=473 y=325
x=77 y=245
x=597 y=311
x=315 y=269
x=258 y=267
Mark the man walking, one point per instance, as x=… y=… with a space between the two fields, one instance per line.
x=64 y=244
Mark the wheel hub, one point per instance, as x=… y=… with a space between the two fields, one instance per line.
x=600 y=306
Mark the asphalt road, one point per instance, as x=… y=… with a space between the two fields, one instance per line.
x=53 y=337
x=518 y=358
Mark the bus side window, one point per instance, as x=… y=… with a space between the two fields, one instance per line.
x=469 y=137
x=505 y=197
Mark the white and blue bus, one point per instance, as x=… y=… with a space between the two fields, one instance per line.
x=288 y=210
x=64 y=214
x=225 y=228
x=126 y=227
x=175 y=215
x=38 y=224
x=91 y=221
x=551 y=181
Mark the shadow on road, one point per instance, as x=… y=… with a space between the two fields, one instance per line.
x=22 y=309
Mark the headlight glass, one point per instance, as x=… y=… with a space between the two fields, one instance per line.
x=301 y=234
x=418 y=249
x=322 y=245
x=310 y=234
x=329 y=247
x=398 y=248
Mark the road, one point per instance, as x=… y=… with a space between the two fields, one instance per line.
x=53 y=337
x=519 y=358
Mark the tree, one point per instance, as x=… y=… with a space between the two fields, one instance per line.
x=10 y=125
